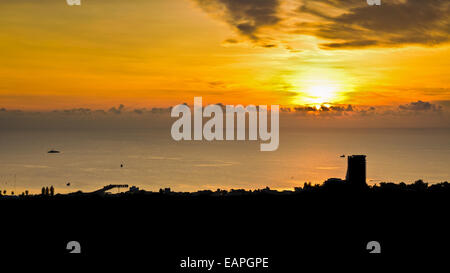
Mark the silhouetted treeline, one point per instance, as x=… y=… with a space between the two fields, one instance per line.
x=331 y=186
x=333 y=218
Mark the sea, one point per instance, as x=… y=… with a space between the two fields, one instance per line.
x=150 y=159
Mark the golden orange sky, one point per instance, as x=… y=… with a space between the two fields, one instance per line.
x=164 y=52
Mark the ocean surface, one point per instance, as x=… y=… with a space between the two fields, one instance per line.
x=90 y=159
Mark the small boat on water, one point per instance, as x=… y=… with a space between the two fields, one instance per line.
x=342 y=155
x=53 y=151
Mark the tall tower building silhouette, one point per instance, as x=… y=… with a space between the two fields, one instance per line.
x=356 y=170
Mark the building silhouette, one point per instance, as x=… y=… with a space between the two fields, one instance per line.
x=356 y=170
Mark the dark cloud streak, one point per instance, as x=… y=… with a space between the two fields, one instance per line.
x=392 y=24
x=246 y=16
x=346 y=23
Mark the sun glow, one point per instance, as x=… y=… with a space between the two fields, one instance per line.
x=321 y=86
x=321 y=93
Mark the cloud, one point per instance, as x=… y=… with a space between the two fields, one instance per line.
x=120 y=117
x=420 y=106
x=304 y=109
x=393 y=23
x=116 y=110
x=139 y=111
x=347 y=24
x=323 y=108
x=269 y=45
x=246 y=16
x=418 y=114
x=413 y=114
x=350 y=44
x=231 y=41
x=412 y=109
x=339 y=108
x=156 y=110
x=75 y=111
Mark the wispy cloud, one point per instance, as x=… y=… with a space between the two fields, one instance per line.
x=346 y=23
x=393 y=23
x=245 y=16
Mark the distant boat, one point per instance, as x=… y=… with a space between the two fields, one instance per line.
x=342 y=155
x=53 y=151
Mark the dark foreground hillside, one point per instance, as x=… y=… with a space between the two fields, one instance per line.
x=292 y=229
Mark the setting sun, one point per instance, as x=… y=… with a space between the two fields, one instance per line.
x=317 y=86
x=321 y=93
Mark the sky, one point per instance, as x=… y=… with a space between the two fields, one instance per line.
x=321 y=57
